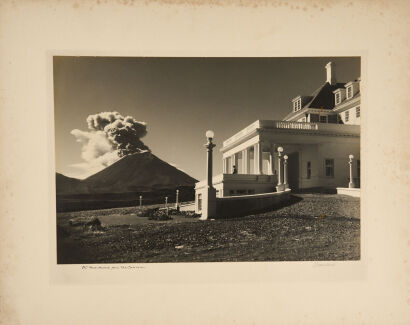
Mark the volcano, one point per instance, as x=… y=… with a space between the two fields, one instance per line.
x=133 y=173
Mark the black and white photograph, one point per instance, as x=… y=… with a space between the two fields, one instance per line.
x=207 y=162
x=207 y=159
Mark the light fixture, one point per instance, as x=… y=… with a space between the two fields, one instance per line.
x=209 y=134
x=285 y=157
x=280 y=149
x=351 y=156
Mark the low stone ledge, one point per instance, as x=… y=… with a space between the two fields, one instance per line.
x=240 y=205
x=187 y=207
x=348 y=191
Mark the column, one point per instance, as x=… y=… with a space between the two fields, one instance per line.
x=245 y=161
x=223 y=165
x=226 y=166
x=351 y=182
x=280 y=186
x=227 y=163
x=285 y=171
x=257 y=158
x=208 y=193
x=270 y=171
x=234 y=161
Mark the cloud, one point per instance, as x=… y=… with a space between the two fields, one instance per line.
x=110 y=137
x=95 y=144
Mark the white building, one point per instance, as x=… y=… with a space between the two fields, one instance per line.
x=317 y=136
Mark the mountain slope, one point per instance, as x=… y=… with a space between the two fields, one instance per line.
x=136 y=172
x=66 y=184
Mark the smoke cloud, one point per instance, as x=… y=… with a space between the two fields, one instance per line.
x=110 y=137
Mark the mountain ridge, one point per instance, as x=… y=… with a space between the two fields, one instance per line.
x=134 y=172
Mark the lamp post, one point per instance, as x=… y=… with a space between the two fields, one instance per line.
x=209 y=147
x=285 y=171
x=351 y=183
x=208 y=192
x=176 y=200
x=280 y=186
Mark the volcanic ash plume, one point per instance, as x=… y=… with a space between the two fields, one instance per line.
x=110 y=137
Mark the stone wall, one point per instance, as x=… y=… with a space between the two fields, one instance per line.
x=349 y=191
x=234 y=206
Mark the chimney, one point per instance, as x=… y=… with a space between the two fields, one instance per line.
x=330 y=73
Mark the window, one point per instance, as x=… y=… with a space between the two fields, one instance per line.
x=349 y=92
x=347 y=116
x=199 y=202
x=338 y=98
x=329 y=167
x=308 y=170
x=358 y=111
x=323 y=119
x=297 y=105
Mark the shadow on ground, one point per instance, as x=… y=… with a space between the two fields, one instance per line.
x=291 y=201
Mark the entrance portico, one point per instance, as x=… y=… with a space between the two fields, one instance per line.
x=307 y=146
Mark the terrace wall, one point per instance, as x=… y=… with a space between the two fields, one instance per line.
x=240 y=205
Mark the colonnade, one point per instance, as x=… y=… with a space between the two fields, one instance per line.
x=257 y=148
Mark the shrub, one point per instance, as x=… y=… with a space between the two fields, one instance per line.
x=157 y=214
x=189 y=214
x=92 y=223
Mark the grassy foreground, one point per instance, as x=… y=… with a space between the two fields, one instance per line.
x=314 y=227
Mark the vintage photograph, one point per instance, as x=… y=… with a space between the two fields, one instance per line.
x=207 y=159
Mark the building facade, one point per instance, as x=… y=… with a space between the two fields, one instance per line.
x=317 y=137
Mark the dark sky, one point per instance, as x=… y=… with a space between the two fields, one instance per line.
x=181 y=98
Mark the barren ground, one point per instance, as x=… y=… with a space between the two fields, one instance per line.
x=318 y=227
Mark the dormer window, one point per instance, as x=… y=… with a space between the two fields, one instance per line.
x=297 y=104
x=340 y=95
x=337 y=98
x=349 y=92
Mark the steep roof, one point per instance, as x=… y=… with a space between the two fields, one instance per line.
x=322 y=97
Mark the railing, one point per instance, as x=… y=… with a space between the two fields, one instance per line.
x=288 y=125
x=271 y=125
x=296 y=125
